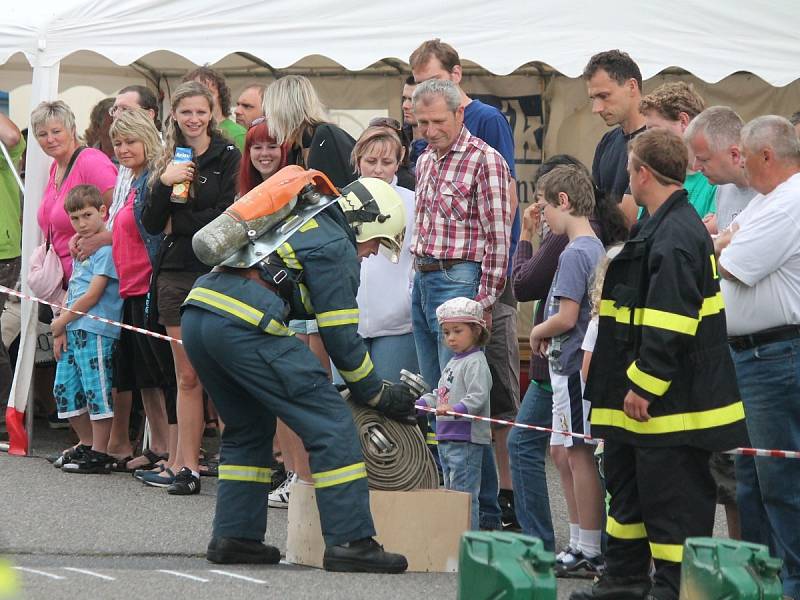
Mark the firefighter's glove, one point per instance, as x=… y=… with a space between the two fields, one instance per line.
x=396 y=401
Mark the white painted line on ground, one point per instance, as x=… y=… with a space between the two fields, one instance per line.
x=186 y=575
x=92 y=573
x=237 y=576
x=36 y=572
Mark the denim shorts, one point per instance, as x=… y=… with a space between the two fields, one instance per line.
x=83 y=376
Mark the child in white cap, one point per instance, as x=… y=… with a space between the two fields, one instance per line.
x=463 y=388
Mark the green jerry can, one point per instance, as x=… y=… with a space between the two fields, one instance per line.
x=721 y=569
x=495 y=565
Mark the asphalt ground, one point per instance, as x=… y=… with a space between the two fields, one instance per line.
x=74 y=536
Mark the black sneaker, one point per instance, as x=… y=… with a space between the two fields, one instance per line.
x=362 y=556
x=185 y=484
x=575 y=564
x=91 y=463
x=69 y=455
x=278 y=477
x=508 y=516
x=229 y=551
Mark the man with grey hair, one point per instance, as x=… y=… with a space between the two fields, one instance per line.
x=760 y=266
x=461 y=225
x=435 y=59
x=713 y=138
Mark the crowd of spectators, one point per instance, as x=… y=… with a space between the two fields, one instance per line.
x=120 y=212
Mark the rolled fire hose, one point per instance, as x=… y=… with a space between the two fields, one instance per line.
x=395 y=454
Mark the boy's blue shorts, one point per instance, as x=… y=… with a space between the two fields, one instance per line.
x=83 y=376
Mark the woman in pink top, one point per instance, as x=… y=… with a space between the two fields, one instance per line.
x=53 y=125
x=141 y=362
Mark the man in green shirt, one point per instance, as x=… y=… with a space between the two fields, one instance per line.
x=215 y=82
x=10 y=233
x=672 y=106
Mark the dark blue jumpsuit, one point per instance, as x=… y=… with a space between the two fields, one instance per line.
x=255 y=370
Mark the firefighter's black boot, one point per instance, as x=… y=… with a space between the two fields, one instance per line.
x=228 y=551
x=615 y=588
x=363 y=556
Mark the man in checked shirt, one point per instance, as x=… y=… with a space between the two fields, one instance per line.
x=462 y=221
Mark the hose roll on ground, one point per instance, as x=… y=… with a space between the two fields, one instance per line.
x=395 y=454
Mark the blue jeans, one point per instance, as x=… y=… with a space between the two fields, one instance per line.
x=431 y=289
x=461 y=466
x=769 y=381
x=391 y=353
x=526 y=451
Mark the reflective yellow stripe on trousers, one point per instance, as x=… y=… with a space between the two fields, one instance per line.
x=668 y=552
x=622 y=531
x=339 y=476
x=245 y=473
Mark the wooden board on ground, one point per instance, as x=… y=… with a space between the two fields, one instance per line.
x=424 y=525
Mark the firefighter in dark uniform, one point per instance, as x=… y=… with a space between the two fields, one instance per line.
x=661 y=382
x=234 y=331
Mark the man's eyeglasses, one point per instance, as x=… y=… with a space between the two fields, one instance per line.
x=386 y=122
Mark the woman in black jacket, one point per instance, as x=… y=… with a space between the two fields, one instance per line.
x=211 y=176
x=297 y=118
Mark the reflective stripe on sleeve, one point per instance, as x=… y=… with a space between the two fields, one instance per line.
x=705 y=419
x=668 y=552
x=227 y=304
x=335 y=318
x=630 y=531
x=430 y=439
x=245 y=473
x=339 y=476
x=286 y=252
x=360 y=373
x=308 y=225
x=648 y=382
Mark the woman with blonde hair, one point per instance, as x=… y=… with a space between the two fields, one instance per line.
x=211 y=177
x=297 y=118
x=141 y=362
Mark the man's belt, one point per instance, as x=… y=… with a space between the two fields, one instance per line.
x=767 y=336
x=428 y=266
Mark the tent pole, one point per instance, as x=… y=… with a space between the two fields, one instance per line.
x=44 y=87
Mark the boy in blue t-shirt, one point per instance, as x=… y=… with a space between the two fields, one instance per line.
x=568 y=195
x=84 y=347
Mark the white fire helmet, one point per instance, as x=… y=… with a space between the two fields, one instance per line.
x=374 y=210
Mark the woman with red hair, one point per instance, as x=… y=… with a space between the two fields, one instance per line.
x=262 y=156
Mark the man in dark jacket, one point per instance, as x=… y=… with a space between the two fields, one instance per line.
x=234 y=331
x=661 y=382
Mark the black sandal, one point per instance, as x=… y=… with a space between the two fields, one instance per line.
x=121 y=465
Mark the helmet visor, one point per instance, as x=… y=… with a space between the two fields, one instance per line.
x=391 y=247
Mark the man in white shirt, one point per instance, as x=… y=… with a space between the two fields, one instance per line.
x=713 y=139
x=760 y=266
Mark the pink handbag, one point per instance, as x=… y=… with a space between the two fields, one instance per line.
x=46 y=275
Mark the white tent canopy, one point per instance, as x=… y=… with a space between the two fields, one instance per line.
x=711 y=40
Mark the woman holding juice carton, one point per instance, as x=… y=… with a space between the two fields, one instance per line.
x=186 y=195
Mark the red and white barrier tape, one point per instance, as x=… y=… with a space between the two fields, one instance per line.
x=11 y=292
x=739 y=451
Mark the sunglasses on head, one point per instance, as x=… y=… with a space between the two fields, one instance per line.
x=386 y=122
x=257 y=121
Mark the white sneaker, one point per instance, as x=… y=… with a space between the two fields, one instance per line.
x=279 y=497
